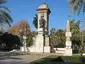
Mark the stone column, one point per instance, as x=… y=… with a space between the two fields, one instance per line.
x=68 y=40
x=68 y=35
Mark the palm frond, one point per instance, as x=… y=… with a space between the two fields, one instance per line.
x=35 y=21
x=77 y=6
x=3 y=1
x=83 y=0
x=3 y=19
x=7 y=21
x=7 y=15
x=80 y=5
x=83 y=8
x=5 y=8
x=71 y=2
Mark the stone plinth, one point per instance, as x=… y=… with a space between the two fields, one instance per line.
x=32 y=49
x=68 y=44
x=68 y=52
x=68 y=34
x=24 y=49
x=39 y=45
x=46 y=49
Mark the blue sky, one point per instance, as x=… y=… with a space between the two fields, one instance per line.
x=26 y=9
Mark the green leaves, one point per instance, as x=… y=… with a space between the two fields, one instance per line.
x=57 y=37
x=35 y=21
x=77 y=6
x=76 y=35
x=5 y=8
x=52 y=31
x=3 y=1
x=4 y=14
x=29 y=40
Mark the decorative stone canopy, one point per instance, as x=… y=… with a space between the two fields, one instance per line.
x=44 y=6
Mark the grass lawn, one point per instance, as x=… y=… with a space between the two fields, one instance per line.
x=60 y=60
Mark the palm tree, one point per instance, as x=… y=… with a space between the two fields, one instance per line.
x=35 y=21
x=4 y=14
x=77 y=6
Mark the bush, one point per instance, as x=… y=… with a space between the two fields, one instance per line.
x=75 y=51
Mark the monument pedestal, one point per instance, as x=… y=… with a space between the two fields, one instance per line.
x=46 y=49
x=23 y=49
x=39 y=43
x=68 y=52
x=68 y=44
x=42 y=47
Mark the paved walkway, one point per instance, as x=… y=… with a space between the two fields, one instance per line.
x=21 y=59
x=12 y=60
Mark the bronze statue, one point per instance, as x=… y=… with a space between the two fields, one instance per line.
x=42 y=22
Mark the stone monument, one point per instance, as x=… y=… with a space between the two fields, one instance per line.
x=42 y=38
x=68 y=40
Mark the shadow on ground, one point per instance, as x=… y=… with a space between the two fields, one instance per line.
x=8 y=57
x=83 y=59
x=15 y=62
x=12 y=60
x=58 y=60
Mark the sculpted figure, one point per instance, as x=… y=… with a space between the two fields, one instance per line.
x=42 y=22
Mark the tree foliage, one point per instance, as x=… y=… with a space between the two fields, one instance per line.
x=60 y=38
x=4 y=14
x=77 y=6
x=76 y=34
x=52 y=31
x=22 y=28
x=57 y=37
x=35 y=21
x=9 y=41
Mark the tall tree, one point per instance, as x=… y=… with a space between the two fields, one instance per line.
x=57 y=37
x=60 y=36
x=35 y=21
x=77 y=6
x=52 y=31
x=22 y=28
x=53 y=37
x=4 y=14
x=76 y=35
